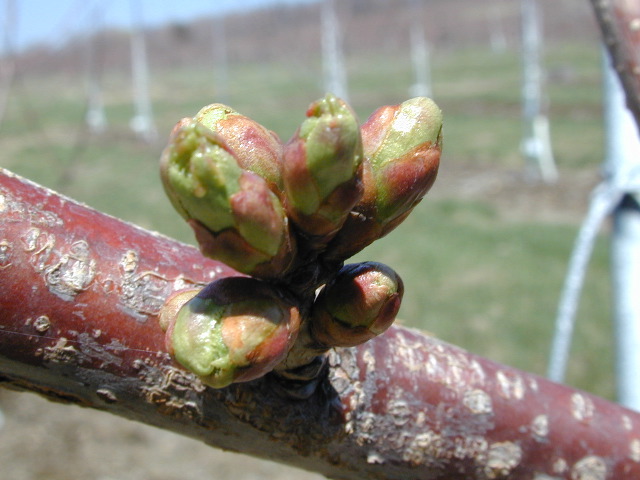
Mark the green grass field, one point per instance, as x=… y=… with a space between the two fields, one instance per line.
x=473 y=278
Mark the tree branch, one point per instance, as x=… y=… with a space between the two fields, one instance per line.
x=79 y=295
x=619 y=22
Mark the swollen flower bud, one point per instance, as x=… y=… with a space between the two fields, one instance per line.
x=402 y=146
x=322 y=168
x=359 y=304
x=235 y=330
x=237 y=219
x=257 y=149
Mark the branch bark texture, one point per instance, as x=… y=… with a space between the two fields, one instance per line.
x=79 y=296
x=619 y=22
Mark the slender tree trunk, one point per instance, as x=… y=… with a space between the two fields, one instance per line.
x=220 y=60
x=7 y=60
x=536 y=142
x=333 y=64
x=142 y=122
x=95 y=117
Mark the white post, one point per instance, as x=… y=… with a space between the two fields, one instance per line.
x=335 y=76
x=8 y=62
x=221 y=60
x=623 y=170
x=536 y=144
x=497 y=37
x=95 y=117
x=420 y=53
x=142 y=122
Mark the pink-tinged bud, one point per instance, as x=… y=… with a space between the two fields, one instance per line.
x=322 y=168
x=257 y=149
x=236 y=217
x=359 y=304
x=234 y=330
x=402 y=146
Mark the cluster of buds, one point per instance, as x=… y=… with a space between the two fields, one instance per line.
x=282 y=212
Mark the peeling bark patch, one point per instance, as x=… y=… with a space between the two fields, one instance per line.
x=129 y=262
x=174 y=391
x=144 y=292
x=65 y=273
x=478 y=402
x=344 y=372
x=40 y=245
x=582 y=407
x=634 y=450
x=432 y=449
x=400 y=412
x=560 y=466
x=589 y=468
x=370 y=362
x=453 y=370
x=13 y=210
x=5 y=254
x=502 y=458
x=627 y=424
x=511 y=385
x=93 y=350
x=42 y=324
x=73 y=272
x=423 y=448
x=445 y=370
x=60 y=352
x=540 y=427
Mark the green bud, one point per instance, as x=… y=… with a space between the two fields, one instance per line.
x=402 y=146
x=359 y=304
x=321 y=171
x=199 y=175
x=235 y=330
x=237 y=219
x=257 y=149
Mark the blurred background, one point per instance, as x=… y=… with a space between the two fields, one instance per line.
x=89 y=91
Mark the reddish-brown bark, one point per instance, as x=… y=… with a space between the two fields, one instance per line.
x=79 y=297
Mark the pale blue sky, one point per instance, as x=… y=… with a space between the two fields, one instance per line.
x=52 y=22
